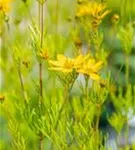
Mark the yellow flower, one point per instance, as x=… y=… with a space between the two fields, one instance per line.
x=65 y=64
x=82 y=64
x=97 y=10
x=4 y=5
x=91 y=68
x=94 y=9
x=83 y=10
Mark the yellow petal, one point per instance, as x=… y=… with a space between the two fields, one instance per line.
x=104 y=14
x=61 y=58
x=55 y=63
x=91 y=62
x=94 y=76
x=55 y=68
x=98 y=65
x=61 y=69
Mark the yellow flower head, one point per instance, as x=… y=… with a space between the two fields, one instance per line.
x=81 y=64
x=4 y=5
x=92 y=8
x=91 y=68
x=96 y=11
x=65 y=64
x=83 y=10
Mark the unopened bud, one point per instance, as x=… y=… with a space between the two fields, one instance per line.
x=115 y=18
x=2 y=98
x=78 y=42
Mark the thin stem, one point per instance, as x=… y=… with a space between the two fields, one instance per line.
x=40 y=80
x=56 y=25
x=87 y=87
x=41 y=27
x=56 y=17
x=127 y=69
x=126 y=135
x=41 y=45
x=29 y=13
x=87 y=96
x=42 y=24
x=39 y=14
x=41 y=146
x=97 y=125
x=66 y=95
x=98 y=117
x=21 y=82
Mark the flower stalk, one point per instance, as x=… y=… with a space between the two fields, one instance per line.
x=41 y=12
x=127 y=68
x=21 y=82
x=41 y=26
x=66 y=96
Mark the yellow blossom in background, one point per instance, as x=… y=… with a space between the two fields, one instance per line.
x=92 y=8
x=96 y=11
x=91 y=68
x=83 y=10
x=4 y=5
x=65 y=64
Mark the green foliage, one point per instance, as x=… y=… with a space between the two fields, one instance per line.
x=42 y=109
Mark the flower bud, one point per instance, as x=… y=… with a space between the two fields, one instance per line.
x=115 y=18
x=78 y=42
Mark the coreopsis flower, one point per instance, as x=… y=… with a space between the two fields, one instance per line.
x=94 y=10
x=67 y=65
x=83 y=10
x=91 y=68
x=4 y=5
x=98 y=10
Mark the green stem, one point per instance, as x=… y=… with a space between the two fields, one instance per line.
x=41 y=26
x=21 y=82
x=41 y=146
x=87 y=96
x=29 y=13
x=127 y=69
x=56 y=17
x=66 y=95
x=41 y=16
x=97 y=125
x=87 y=87
x=41 y=81
x=56 y=25
x=98 y=118
x=126 y=135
